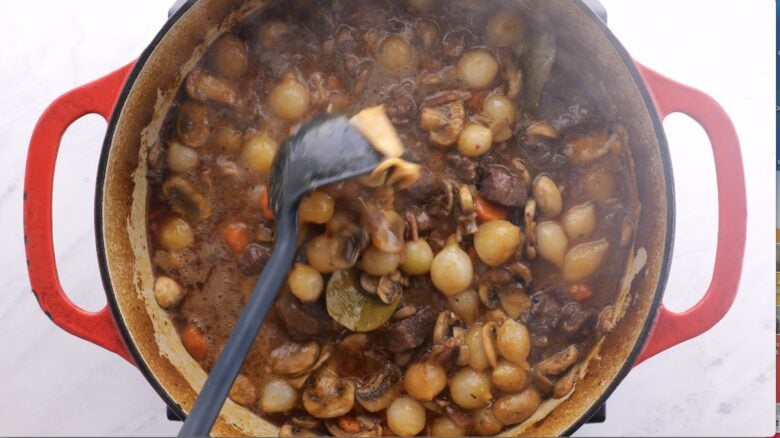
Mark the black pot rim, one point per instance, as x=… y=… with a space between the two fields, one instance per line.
x=660 y=287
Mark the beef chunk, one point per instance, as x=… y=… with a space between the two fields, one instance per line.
x=577 y=321
x=502 y=186
x=400 y=106
x=545 y=313
x=301 y=319
x=542 y=318
x=464 y=168
x=426 y=187
x=553 y=317
x=253 y=259
x=409 y=332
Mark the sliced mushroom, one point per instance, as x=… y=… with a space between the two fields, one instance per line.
x=362 y=426
x=329 y=396
x=530 y=228
x=489 y=342
x=305 y=422
x=542 y=132
x=185 y=199
x=522 y=169
x=559 y=362
x=388 y=290
x=292 y=359
x=606 y=321
x=369 y=282
x=449 y=192
x=514 y=300
x=444 y=123
x=512 y=74
x=381 y=389
x=289 y=430
x=385 y=227
x=489 y=284
x=297 y=382
x=405 y=312
x=340 y=247
x=192 y=125
x=442 y=327
x=325 y=354
x=466 y=199
x=203 y=86
x=540 y=382
x=565 y=384
x=523 y=271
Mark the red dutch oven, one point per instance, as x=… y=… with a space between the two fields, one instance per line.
x=134 y=98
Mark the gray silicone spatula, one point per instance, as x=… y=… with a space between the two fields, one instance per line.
x=324 y=151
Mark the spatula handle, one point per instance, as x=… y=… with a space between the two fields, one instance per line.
x=211 y=398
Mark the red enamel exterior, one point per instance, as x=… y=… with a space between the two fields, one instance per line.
x=671 y=328
x=98 y=97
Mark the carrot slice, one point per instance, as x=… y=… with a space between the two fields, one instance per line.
x=266 y=209
x=194 y=342
x=580 y=292
x=236 y=235
x=489 y=211
x=349 y=424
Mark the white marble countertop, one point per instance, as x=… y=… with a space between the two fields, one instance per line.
x=721 y=383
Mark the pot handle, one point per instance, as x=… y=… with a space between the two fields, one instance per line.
x=98 y=97
x=673 y=328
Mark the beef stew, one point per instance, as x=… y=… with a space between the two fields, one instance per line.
x=454 y=306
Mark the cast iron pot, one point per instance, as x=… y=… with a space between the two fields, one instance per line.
x=134 y=98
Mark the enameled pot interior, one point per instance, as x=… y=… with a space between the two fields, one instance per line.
x=121 y=205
